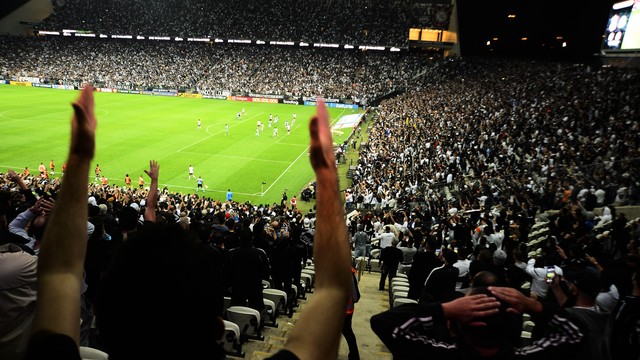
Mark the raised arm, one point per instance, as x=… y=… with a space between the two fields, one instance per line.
x=152 y=196
x=317 y=331
x=61 y=258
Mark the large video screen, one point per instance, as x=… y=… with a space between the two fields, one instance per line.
x=623 y=27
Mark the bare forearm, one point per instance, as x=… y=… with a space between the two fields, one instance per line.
x=69 y=232
x=152 y=201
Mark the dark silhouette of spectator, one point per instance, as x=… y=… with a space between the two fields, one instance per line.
x=248 y=266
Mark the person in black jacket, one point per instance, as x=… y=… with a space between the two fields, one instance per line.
x=390 y=258
x=474 y=326
x=441 y=282
x=248 y=265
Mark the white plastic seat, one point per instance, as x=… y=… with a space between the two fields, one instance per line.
x=400 y=288
x=402 y=301
x=528 y=325
x=375 y=253
x=269 y=314
x=89 y=353
x=399 y=295
x=375 y=265
x=308 y=279
x=309 y=272
x=231 y=339
x=402 y=276
x=266 y=284
x=278 y=297
x=247 y=319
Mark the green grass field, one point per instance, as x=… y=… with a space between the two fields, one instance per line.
x=133 y=129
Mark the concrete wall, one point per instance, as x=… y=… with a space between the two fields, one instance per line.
x=32 y=11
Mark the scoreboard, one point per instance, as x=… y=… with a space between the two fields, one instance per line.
x=622 y=33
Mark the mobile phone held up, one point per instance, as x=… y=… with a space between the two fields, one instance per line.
x=551 y=273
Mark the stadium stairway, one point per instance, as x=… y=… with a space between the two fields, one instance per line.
x=372 y=302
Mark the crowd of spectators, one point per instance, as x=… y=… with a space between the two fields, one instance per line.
x=208 y=69
x=475 y=134
x=373 y=22
x=469 y=157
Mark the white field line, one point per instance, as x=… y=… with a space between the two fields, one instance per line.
x=306 y=150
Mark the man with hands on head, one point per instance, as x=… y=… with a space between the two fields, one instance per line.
x=477 y=325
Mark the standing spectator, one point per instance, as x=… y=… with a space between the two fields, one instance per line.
x=441 y=282
x=18 y=285
x=625 y=339
x=361 y=243
x=390 y=258
x=347 y=330
x=424 y=261
x=579 y=301
x=293 y=203
x=248 y=265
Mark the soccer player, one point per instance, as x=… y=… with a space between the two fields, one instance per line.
x=238 y=116
x=52 y=167
x=288 y=129
x=275 y=121
x=97 y=171
x=191 y=172
x=104 y=180
x=260 y=125
x=26 y=171
x=275 y=132
x=229 y=195
x=200 y=184
x=64 y=167
x=127 y=181
x=199 y=124
x=258 y=131
x=242 y=111
x=42 y=169
x=141 y=181
x=270 y=121
x=226 y=129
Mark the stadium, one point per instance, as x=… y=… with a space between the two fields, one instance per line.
x=467 y=138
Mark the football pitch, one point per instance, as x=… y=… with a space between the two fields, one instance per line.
x=133 y=129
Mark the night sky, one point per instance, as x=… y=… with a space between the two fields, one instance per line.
x=545 y=24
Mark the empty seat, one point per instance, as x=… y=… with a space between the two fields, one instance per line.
x=269 y=313
x=89 y=353
x=397 y=288
x=248 y=320
x=375 y=265
x=375 y=253
x=266 y=284
x=402 y=276
x=399 y=295
x=309 y=272
x=308 y=279
x=402 y=301
x=231 y=339
x=528 y=325
x=278 y=297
